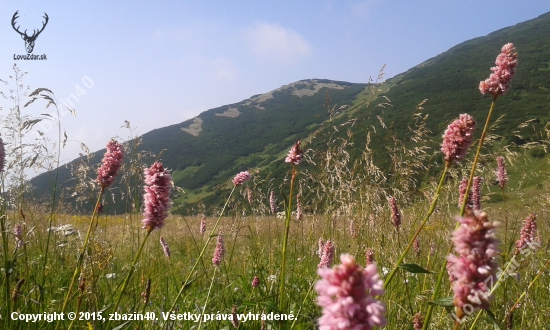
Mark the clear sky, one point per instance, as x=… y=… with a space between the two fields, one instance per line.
x=163 y=62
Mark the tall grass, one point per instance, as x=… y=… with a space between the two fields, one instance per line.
x=122 y=269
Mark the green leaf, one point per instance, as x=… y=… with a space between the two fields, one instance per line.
x=188 y=284
x=444 y=302
x=122 y=325
x=493 y=319
x=414 y=268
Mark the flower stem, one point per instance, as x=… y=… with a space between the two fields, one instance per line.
x=529 y=286
x=6 y=263
x=207 y=296
x=130 y=273
x=285 y=240
x=462 y=209
x=184 y=285
x=304 y=302
x=411 y=241
x=502 y=277
x=81 y=256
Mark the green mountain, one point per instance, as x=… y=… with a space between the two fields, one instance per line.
x=205 y=151
x=210 y=149
x=449 y=81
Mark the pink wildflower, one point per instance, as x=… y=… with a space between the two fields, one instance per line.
x=18 y=233
x=234 y=318
x=99 y=208
x=321 y=247
x=147 y=293
x=457 y=138
x=418 y=321
x=241 y=178
x=416 y=246
x=462 y=192
x=220 y=250
x=299 y=211
x=502 y=176
x=264 y=323
x=158 y=183
x=249 y=194
x=476 y=244
x=395 y=214
x=346 y=294
x=111 y=163
x=255 y=282
x=528 y=231
x=295 y=154
x=272 y=202
x=476 y=193
x=2 y=155
x=452 y=279
x=499 y=81
x=202 y=228
x=352 y=229
x=370 y=257
x=165 y=247
x=328 y=255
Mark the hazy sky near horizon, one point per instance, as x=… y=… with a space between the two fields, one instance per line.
x=160 y=63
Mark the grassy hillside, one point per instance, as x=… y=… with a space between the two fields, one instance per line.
x=207 y=151
x=203 y=152
x=449 y=80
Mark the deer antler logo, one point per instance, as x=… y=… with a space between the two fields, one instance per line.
x=29 y=40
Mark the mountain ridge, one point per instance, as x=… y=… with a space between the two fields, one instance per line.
x=256 y=132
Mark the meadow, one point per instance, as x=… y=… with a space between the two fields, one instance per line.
x=266 y=254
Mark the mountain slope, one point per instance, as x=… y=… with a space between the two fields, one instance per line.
x=449 y=81
x=205 y=150
x=208 y=150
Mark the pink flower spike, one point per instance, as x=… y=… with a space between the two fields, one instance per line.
x=499 y=81
x=528 y=232
x=328 y=255
x=432 y=248
x=156 y=200
x=111 y=163
x=255 y=282
x=165 y=247
x=202 y=228
x=234 y=318
x=476 y=244
x=299 y=210
x=272 y=202
x=370 y=257
x=321 y=247
x=249 y=194
x=241 y=178
x=418 y=321
x=295 y=154
x=462 y=192
x=502 y=176
x=476 y=193
x=416 y=246
x=346 y=294
x=18 y=233
x=395 y=214
x=220 y=251
x=352 y=229
x=457 y=138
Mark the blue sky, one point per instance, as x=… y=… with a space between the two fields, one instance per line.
x=161 y=63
